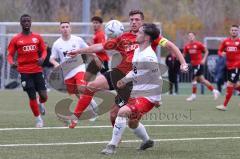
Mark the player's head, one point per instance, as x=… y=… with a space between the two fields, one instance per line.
x=136 y=18
x=65 y=28
x=234 y=31
x=26 y=21
x=97 y=22
x=148 y=32
x=191 y=36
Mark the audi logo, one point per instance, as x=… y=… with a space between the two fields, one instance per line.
x=29 y=48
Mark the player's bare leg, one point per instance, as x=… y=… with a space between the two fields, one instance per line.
x=113 y=113
x=100 y=83
x=229 y=93
x=215 y=92
x=193 y=96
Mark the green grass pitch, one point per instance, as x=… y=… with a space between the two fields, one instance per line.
x=182 y=130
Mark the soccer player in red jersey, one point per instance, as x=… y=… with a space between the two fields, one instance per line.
x=99 y=37
x=31 y=52
x=195 y=49
x=230 y=47
x=125 y=45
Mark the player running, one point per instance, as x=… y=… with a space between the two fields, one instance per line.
x=125 y=45
x=230 y=47
x=75 y=78
x=31 y=52
x=195 y=49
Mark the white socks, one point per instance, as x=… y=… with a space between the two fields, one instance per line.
x=119 y=127
x=141 y=132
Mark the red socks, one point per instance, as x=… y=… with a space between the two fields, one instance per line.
x=210 y=87
x=194 y=89
x=83 y=103
x=34 y=106
x=228 y=96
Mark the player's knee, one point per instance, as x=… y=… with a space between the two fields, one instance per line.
x=133 y=123
x=92 y=85
x=124 y=111
x=43 y=98
x=114 y=111
x=194 y=82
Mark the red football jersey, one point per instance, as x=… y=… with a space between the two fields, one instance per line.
x=232 y=49
x=126 y=44
x=28 y=48
x=99 y=37
x=195 y=50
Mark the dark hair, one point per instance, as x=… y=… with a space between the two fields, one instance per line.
x=133 y=12
x=151 y=30
x=97 y=18
x=64 y=22
x=235 y=25
x=25 y=15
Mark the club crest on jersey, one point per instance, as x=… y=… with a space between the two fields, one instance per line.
x=21 y=41
x=194 y=46
x=237 y=43
x=34 y=40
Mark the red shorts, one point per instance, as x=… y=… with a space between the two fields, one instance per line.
x=139 y=106
x=72 y=83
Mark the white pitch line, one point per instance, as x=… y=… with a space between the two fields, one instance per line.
x=108 y=126
x=126 y=141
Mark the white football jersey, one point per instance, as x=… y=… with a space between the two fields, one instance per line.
x=145 y=75
x=61 y=47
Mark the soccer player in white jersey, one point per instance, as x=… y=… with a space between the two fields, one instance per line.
x=146 y=91
x=75 y=78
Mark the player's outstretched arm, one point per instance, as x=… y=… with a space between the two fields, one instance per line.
x=173 y=48
x=88 y=50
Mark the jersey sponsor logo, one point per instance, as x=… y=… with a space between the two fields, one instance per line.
x=29 y=48
x=131 y=47
x=231 y=48
x=34 y=40
x=21 y=41
x=192 y=51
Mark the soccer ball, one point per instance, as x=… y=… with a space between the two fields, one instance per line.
x=113 y=28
